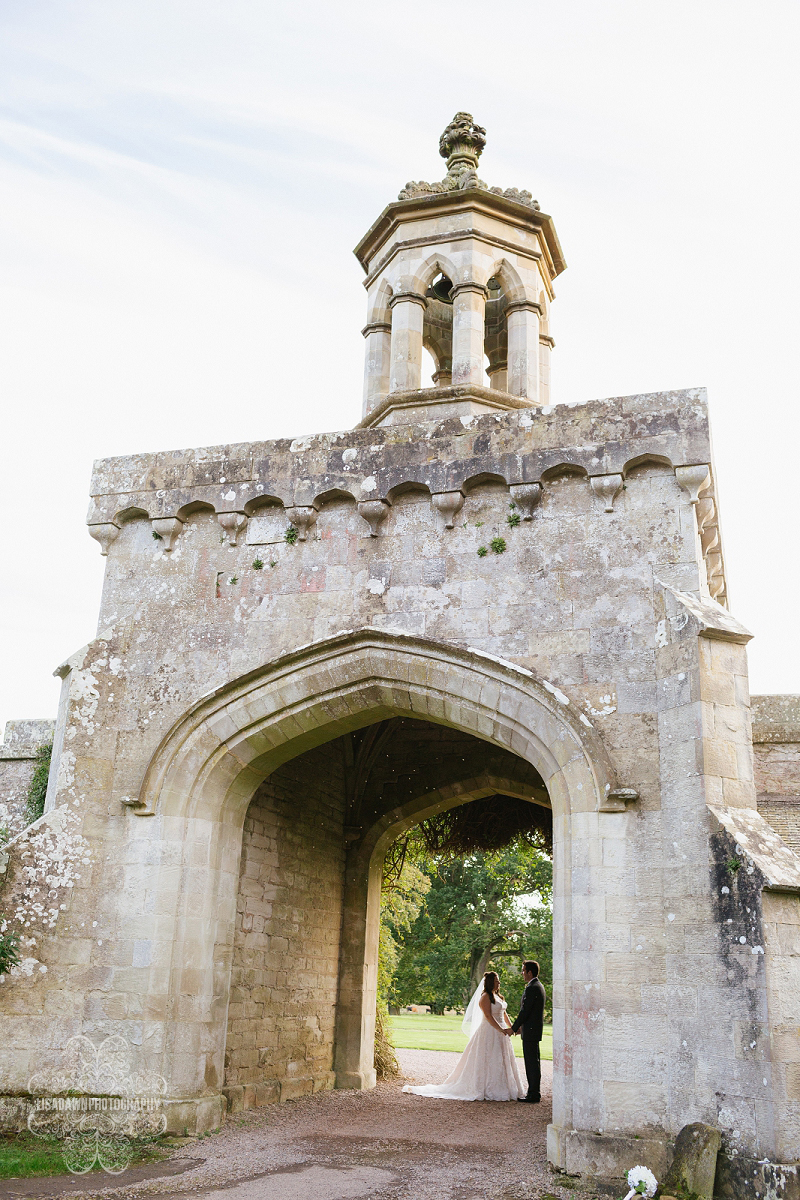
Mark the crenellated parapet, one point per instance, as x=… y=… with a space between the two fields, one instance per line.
x=259 y=491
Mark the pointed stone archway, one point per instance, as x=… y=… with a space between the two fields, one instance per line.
x=362 y=901
x=201 y=780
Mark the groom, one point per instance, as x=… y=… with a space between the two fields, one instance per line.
x=530 y=1022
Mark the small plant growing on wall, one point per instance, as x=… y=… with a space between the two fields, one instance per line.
x=257 y=564
x=290 y=537
x=733 y=865
x=156 y=536
x=513 y=517
x=37 y=789
x=498 y=544
x=9 y=952
x=233 y=579
x=482 y=552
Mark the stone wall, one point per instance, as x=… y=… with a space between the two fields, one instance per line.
x=21 y=742
x=286 y=945
x=781 y=921
x=776 y=751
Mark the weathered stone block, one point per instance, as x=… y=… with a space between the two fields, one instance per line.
x=694 y=1164
x=294 y=1089
x=234 y=1096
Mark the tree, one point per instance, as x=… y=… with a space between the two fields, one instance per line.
x=401 y=899
x=470 y=921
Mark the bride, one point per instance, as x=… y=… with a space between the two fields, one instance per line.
x=487 y=1070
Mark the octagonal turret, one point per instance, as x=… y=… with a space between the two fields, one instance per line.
x=466 y=272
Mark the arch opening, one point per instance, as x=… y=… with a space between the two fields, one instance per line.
x=495 y=341
x=437 y=330
x=358 y=808
x=204 y=775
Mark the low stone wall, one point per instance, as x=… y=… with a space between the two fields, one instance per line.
x=286 y=946
x=18 y=752
x=776 y=752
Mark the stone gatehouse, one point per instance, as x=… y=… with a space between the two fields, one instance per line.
x=307 y=646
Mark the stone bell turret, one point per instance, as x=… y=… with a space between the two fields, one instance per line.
x=466 y=272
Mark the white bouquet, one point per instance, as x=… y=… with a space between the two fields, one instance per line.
x=642 y=1182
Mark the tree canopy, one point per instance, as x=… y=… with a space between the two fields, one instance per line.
x=462 y=916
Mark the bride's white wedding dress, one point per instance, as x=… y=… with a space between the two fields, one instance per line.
x=487 y=1070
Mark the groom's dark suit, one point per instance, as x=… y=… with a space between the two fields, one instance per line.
x=530 y=1023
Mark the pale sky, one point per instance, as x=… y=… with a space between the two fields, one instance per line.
x=182 y=183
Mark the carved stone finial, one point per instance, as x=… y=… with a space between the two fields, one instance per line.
x=462 y=144
x=462 y=141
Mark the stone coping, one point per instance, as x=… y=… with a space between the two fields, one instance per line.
x=595 y=438
x=24 y=738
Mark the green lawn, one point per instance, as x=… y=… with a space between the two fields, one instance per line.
x=422 y=1031
x=23 y=1155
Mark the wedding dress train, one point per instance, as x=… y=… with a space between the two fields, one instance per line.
x=487 y=1070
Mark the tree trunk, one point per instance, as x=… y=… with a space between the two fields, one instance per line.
x=479 y=960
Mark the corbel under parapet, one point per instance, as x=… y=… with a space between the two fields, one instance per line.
x=697 y=483
x=448 y=505
x=303 y=517
x=167 y=529
x=606 y=488
x=104 y=533
x=232 y=524
x=526 y=496
x=374 y=512
x=693 y=480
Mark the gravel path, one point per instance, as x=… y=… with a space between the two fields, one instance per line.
x=381 y=1145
